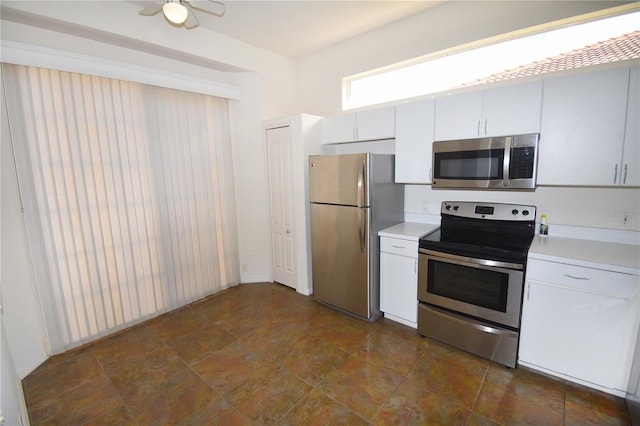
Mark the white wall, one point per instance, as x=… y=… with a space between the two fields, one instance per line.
x=267 y=83
x=273 y=87
x=16 y=285
x=448 y=25
x=22 y=312
x=584 y=207
x=12 y=405
x=250 y=175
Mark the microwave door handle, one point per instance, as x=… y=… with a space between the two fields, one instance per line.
x=506 y=162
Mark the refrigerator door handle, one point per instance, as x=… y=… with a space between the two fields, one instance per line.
x=361 y=183
x=362 y=230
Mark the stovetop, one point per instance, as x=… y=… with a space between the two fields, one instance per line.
x=491 y=231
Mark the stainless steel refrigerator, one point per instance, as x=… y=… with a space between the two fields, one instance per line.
x=352 y=197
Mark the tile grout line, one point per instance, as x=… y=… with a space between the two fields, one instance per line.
x=223 y=396
x=124 y=404
x=280 y=311
x=475 y=401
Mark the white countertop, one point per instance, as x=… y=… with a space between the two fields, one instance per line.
x=411 y=231
x=624 y=258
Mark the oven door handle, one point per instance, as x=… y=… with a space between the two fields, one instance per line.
x=483 y=262
x=477 y=326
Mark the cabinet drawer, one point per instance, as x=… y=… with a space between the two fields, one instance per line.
x=606 y=283
x=400 y=247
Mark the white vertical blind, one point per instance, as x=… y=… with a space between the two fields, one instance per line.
x=128 y=195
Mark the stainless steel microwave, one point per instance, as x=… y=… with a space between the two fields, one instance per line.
x=505 y=162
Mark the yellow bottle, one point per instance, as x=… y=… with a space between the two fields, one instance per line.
x=544 y=227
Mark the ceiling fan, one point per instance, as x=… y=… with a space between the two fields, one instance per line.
x=182 y=11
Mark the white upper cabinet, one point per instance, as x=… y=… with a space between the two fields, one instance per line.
x=512 y=110
x=583 y=129
x=458 y=116
x=414 y=139
x=368 y=125
x=338 y=128
x=500 y=111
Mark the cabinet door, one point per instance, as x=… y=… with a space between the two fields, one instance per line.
x=458 y=116
x=414 y=141
x=376 y=124
x=512 y=110
x=398 y=288
x=578 y=333
x=631 y=153
x=339 y=128
x=583 y=122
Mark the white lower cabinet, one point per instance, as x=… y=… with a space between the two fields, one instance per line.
x=579 y=323
x=399 y=280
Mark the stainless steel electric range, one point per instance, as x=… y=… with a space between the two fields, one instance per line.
x=471 y=277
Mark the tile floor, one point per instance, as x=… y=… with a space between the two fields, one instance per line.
x=263 y=354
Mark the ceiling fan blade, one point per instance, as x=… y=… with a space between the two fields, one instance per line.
x=192 y=20
x=152 y=9
x=209 y=6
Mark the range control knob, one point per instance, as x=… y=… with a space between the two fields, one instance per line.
x=455 y=208
x=514 y=212
x=447 y=207
x=525 y=212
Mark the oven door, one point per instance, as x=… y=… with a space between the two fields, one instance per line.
x=486 y=290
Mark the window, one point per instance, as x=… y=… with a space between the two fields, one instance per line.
x=609 y=39
x=128 y=197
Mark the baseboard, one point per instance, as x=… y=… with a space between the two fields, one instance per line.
x=32 y=364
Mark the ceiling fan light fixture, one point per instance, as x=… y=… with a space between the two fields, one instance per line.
x=175 y=12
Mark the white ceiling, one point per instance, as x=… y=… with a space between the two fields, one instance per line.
x=297 y=28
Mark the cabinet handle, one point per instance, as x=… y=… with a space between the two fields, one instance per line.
x=395 y=246
x=576 y=278
x=485 y=126
x=624 y=179
x=528 y=290
x=430 y=173
x=478 y=127
x=615 y=174
x=415 y=267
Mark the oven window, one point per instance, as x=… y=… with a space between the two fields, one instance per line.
x=469 y=165
x=480 y=287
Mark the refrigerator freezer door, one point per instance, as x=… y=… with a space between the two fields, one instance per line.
x=339 y=179
x=340 y=247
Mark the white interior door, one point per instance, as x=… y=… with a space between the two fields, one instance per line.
x=279 y=148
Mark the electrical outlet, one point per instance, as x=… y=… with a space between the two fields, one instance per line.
x=626 y=221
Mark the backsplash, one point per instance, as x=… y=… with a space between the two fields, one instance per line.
x=607 y=208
